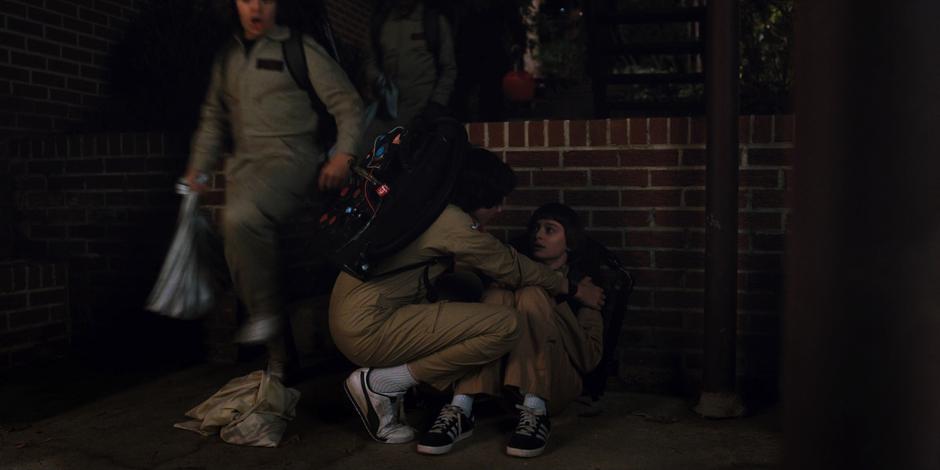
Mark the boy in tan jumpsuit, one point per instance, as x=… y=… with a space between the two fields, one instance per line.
x=387 y=326
x=253 y=99
x=556 y=346
x=425 y=80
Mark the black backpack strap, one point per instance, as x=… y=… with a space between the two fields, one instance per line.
x=293 y=49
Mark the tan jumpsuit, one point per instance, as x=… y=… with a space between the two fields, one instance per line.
x=256 y=102
x=388 y=322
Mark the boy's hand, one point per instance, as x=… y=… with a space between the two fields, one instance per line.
x=335 y=171
x=590 y=294
x=196 y=180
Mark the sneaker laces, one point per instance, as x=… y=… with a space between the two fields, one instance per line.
x=449 y=414
x=528 y=421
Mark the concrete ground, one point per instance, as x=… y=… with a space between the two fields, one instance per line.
x=75 y=419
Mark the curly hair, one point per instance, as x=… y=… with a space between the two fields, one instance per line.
x=483 y=182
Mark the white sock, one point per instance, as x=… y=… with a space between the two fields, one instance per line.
x=465 y=402
x=391 y=380
x=534 y=402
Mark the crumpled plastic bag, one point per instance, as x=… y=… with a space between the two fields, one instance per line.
x=189 y=281
x=252 y=410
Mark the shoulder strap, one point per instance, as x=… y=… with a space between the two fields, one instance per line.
x=293 y=49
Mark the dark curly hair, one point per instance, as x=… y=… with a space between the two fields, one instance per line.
x=484 y=181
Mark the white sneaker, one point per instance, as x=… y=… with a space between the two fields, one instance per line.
x=258 y=330
x=379 y=413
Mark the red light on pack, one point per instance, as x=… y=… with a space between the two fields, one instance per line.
x=324 y=217
x=383 y=190
x=344 y=191
x=332 y=220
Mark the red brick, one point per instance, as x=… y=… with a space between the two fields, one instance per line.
x=639 y=178
x=744 y=129
x=680 y=259
x=759 y=179
x=698 y=134
x=638 y=131
x=658 y=130
x=577 y=133
x=783 y=128
x=532 y=197
x=564 y=178
x=532 y=159
x=517 y=134
x=639 y=157
x=556 y=133
x=84 y=166
x=657 y=278
x=496 y=135
x=577 y=197
x=764 y=199
x=477 y=134
x=622 y=218
x=31 y=317
x=679 y=218
x=756 y=281
x=618 y=132
x=763 y=129
x=679 y=131
x=677 y=299
x=125 y=165
x=769 y=157
x=651 y=198
x=523 y=178
x=106 y=182
x=597 y=129
x=760 y=221
x=635 y=259
x=536 y=133
x=152 y=181
x=608 y=238
x=12 y=301
x=696 y=198
x=693 y=157
x=681 y=178
x=656 y=238
x=593 y=158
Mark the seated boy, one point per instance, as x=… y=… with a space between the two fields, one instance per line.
x=387 y=326
x=560 y=339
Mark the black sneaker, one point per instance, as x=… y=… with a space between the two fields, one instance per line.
x=531 y=434
x=451 y=426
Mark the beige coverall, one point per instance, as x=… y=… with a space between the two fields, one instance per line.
x=555 y=348
x=274 y=167
x=408 y=61
x=387 y=321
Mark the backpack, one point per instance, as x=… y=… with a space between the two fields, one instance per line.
x=396 y=192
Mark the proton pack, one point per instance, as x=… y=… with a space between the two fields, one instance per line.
x=396 y=192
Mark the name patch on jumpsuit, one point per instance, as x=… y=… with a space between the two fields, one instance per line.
x=270 y=64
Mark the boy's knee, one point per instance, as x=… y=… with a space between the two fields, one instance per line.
x=532 y=300
x=497 y=296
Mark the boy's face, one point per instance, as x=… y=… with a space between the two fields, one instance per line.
x=548 y=240
x=256 y=16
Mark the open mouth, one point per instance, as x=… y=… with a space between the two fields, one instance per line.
x=537 y=247
x=255 y=22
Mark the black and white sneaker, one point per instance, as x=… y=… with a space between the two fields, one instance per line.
x=381 y=414
x=531 y=434
x=450 y=427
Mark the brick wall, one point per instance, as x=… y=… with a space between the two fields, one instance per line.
x=103 y=202
x=53 y=56
x=34 y=320
x=639 y=186
x=350 y=20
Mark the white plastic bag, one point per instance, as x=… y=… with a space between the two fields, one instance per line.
x=188 y=282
